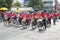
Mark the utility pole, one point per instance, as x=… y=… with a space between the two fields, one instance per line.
x=55 y=4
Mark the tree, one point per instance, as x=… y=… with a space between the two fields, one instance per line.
x=36 y=4
x=17 y=4
x=6 y=3
x=2 y=2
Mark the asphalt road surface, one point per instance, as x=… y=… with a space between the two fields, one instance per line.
x=13 y=33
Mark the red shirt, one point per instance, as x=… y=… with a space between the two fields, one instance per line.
x=9 y=15
x=13 y=15
x=48 y=15
x=0 y=14
x=21 y=15
x=40 y=15
x=43 y=15
x=36 y=16
x=55 y=15
x=33 y=16
x=27 y=16
x=59 y=15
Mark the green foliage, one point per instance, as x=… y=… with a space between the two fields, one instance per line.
x=6 y=3
x=9 y=3
x=36 y=4
x=17 y=4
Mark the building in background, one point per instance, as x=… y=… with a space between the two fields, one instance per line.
x=58 y=7
x=56 y=4
x=48 y=5
x=26 y=2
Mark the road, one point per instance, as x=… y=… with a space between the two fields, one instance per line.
x=13 y=33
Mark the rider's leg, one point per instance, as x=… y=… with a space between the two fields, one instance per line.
x=49 y=21
x=35 y=21
x=54 y=21
x=8 y=19
x=20 y=19
x=44 y=22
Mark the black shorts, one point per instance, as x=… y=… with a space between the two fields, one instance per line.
x=20 y=19
x=8 y=19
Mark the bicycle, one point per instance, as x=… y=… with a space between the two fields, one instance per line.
x=40 y=25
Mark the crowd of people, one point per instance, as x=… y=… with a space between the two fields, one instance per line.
x=27 y=18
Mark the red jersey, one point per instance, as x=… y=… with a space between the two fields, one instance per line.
x=33 y=16
x=21 y=15
x=48 y=15
x=58 y=14
x=40 y=15
x=9 y=15
x=0 y=14
x=55 y=15
x=14 y=15
x=43 y=15
x=27 y=16
x=36 y=16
